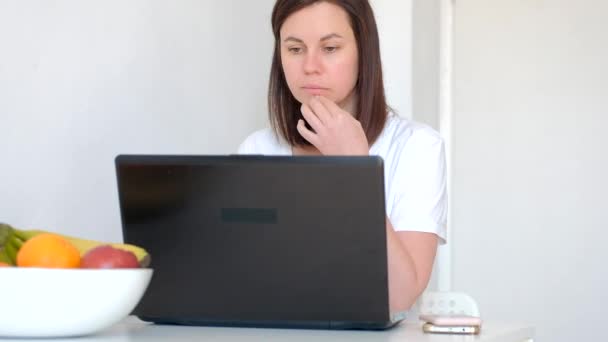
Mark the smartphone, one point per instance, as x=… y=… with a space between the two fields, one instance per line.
x=451 y=320
x=444 y=329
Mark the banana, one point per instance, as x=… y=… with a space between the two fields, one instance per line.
x=16 y=237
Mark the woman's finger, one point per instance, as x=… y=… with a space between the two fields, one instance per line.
x=307 y=134
x=319 y=109
x=330 y=106
x=311 y=118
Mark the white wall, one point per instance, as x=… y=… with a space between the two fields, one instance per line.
x=425 y=61
x=394 y=20
x=530 y=212
x=82 y=81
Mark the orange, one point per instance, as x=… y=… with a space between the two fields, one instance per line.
x=48 y=251
x=3 y=264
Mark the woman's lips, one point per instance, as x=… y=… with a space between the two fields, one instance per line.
x=314 y=89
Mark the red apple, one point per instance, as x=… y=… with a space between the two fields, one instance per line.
x=106 y=256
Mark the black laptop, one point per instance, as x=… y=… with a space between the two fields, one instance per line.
x=259 y=241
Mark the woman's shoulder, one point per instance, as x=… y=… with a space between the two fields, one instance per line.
x=400 y=131
x=262 y=141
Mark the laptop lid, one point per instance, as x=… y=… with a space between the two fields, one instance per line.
x=259 y=240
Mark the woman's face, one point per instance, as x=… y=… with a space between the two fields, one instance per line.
x=319 y=54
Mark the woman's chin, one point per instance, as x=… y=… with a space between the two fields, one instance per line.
x=305 y=98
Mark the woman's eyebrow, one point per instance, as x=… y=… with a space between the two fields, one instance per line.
x=293 y=39
x=330 y=36
x=324 y=38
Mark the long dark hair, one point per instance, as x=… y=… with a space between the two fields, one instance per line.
x=371 y=108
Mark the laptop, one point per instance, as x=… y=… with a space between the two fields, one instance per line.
x=259 y=241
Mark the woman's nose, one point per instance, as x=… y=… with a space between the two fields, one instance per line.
x=312 y=63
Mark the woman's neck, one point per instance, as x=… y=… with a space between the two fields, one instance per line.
x=305 y=151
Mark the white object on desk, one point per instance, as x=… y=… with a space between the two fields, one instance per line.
x=448 y=303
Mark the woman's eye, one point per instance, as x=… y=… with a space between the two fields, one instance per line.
x=294 y=49
x=331 y=48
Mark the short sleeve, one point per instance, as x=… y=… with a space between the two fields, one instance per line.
x=419 y=186
x=246 y=147
x=264 y=142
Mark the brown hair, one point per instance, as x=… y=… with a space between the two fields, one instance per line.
x=371 y=108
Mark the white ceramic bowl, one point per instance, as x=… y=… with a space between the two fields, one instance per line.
x=38 y=302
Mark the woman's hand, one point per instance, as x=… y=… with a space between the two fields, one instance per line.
x=336 y=132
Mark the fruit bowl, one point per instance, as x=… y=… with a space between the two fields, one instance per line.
x=42 y=302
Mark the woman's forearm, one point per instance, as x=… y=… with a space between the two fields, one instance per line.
x=407 y=277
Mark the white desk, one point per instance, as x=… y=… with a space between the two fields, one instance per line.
x=131 y=329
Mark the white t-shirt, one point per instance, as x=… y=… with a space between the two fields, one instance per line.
x=414 y=172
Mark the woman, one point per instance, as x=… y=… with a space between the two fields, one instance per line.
x=326 y=97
